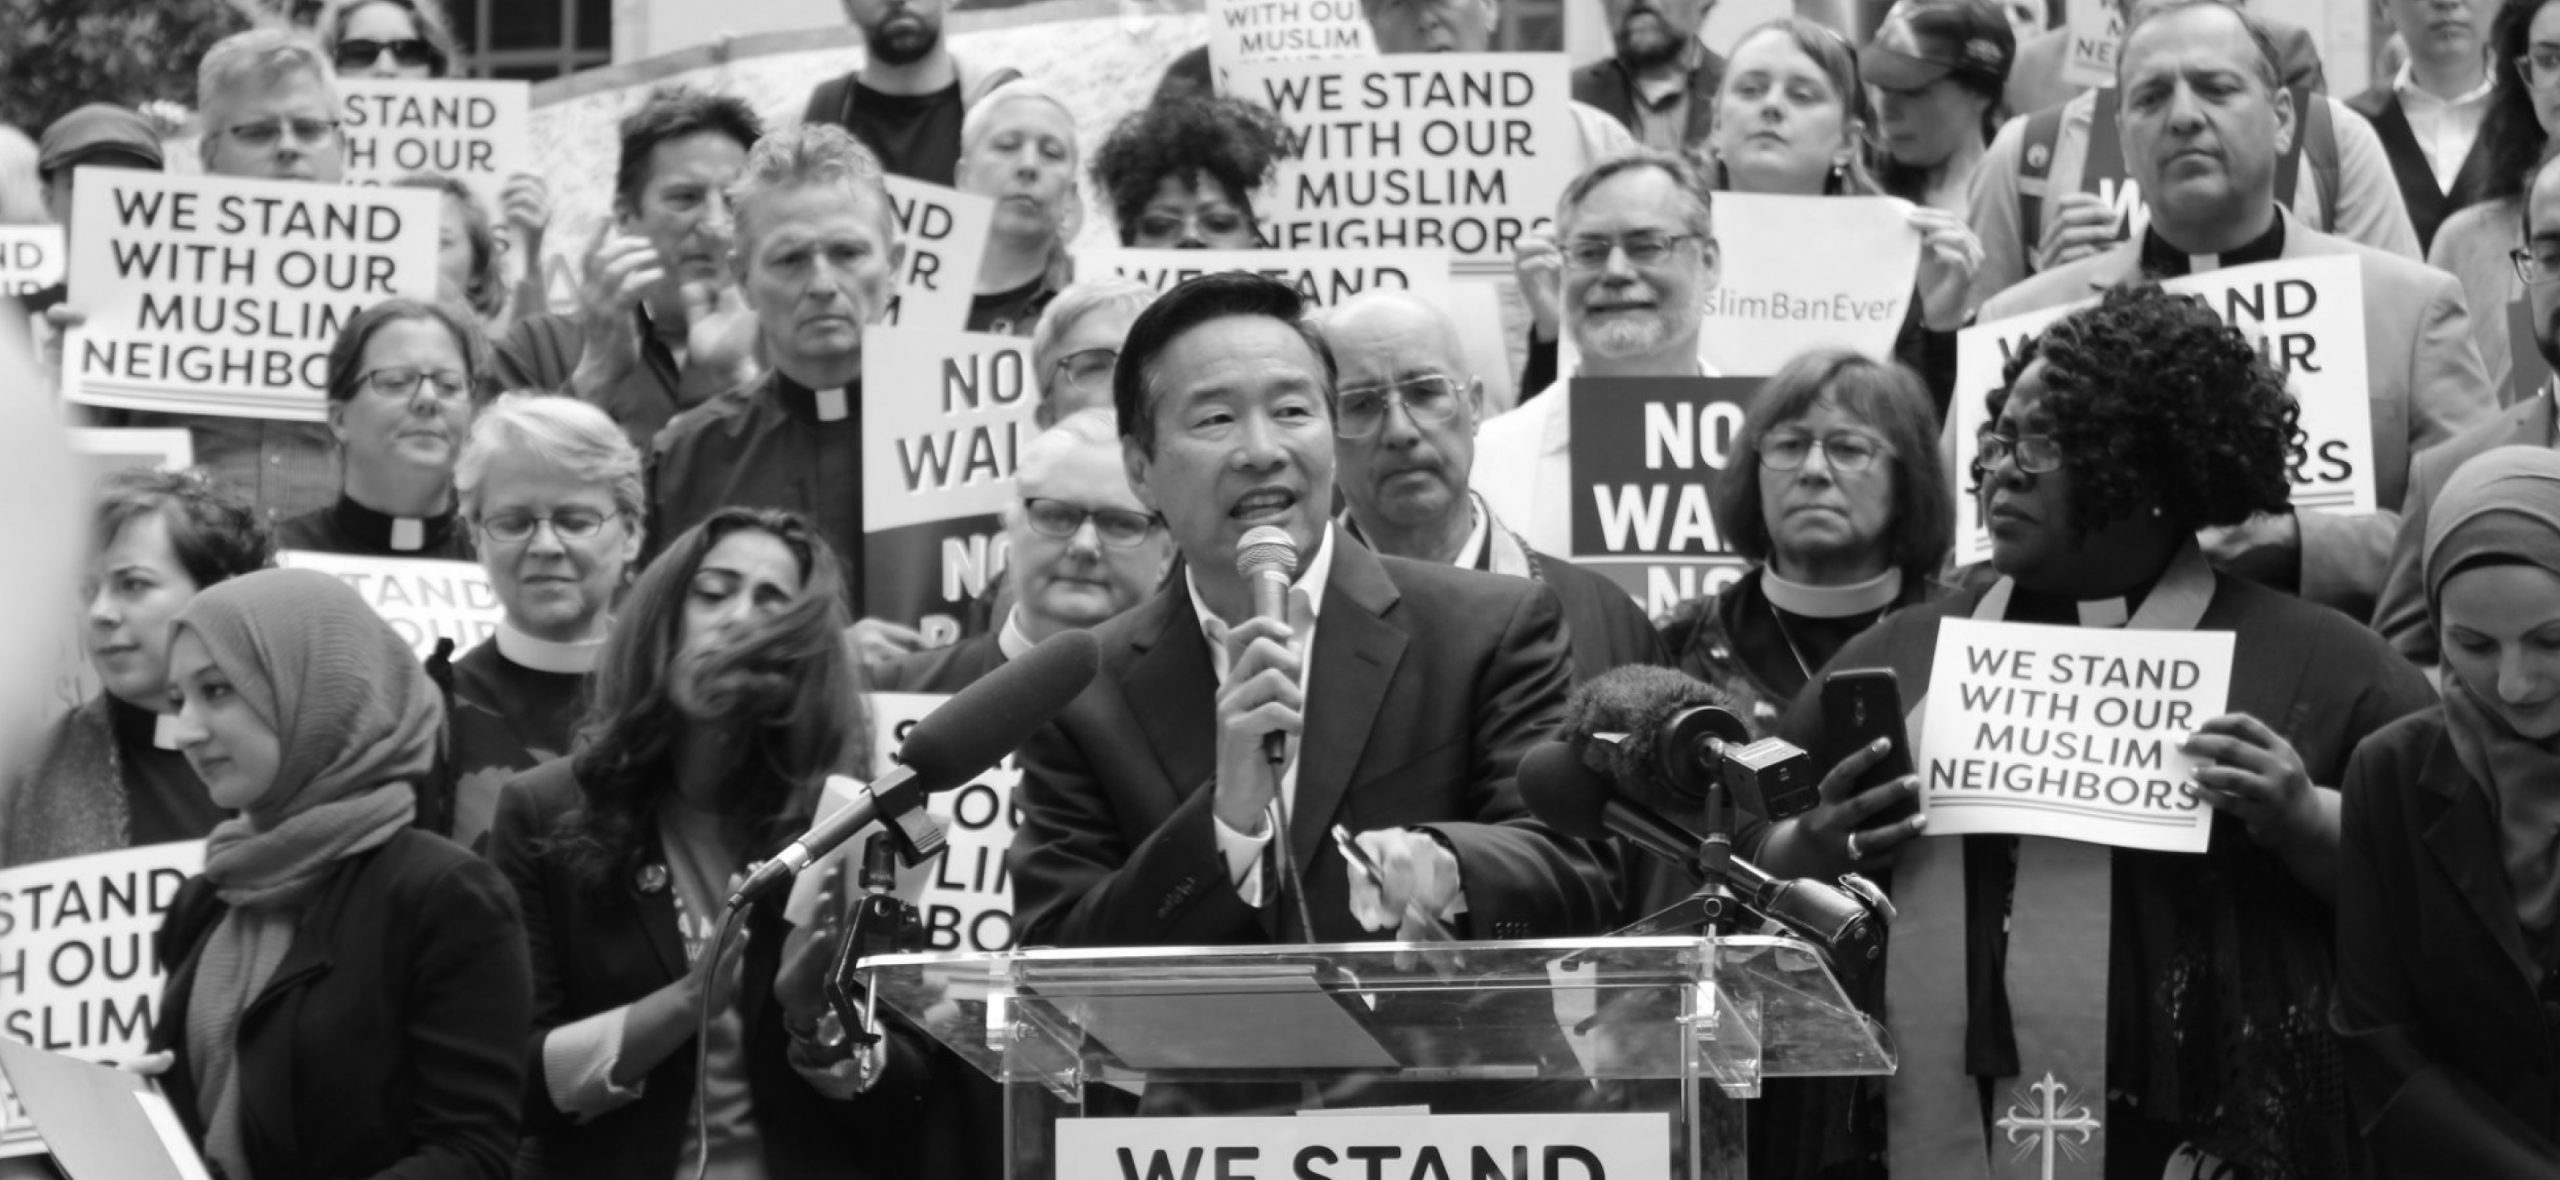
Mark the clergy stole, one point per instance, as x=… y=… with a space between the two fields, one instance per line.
x=2048 y=1122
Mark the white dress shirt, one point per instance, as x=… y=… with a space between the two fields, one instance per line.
x=2444 y=127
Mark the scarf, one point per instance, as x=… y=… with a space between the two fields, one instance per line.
x=356 y=722
x=2503 y=508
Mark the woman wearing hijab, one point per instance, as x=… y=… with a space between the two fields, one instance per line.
x=2449 y=882
x=2181 y=999
x=347 y=996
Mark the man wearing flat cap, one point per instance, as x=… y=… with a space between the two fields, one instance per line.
x=99 y=135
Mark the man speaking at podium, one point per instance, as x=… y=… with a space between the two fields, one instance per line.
x=1404 y=693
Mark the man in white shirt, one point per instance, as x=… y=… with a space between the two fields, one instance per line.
x=2428 y=116
x=1405 y=693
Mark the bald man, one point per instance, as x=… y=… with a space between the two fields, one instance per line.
x=1404 y=445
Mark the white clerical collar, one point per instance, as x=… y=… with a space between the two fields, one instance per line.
x=1312 y=579
x=164 y=731
x=408 y=534
x=545 y=655
x=1012 y=640
x=1831 y=602
x=831 y=403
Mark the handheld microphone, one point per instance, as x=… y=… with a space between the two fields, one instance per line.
x=972 y=731
x=1267 y=559
x=1668 y=738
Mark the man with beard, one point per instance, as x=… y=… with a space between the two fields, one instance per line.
x=1639 y=256
x=1662 y=80
x=907 y=101
x=2402 y=615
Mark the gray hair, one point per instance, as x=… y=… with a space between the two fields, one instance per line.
x=1699 y=217
x=1081 y=298
x=258 y=60
x=1095 y=427
x=562 y=433
x=811 y=154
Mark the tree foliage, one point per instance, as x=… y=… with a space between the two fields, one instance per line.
x=57 y=54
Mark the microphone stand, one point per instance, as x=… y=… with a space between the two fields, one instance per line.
x=1720 y=912
x=1277 y=757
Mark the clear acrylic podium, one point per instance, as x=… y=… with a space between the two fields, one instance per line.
x=1681 y=1026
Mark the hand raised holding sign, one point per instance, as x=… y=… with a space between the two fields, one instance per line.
x=1538 y=265
x=1949 y=256
x=2076 y=226
x=526 y=205
x=2257 y=777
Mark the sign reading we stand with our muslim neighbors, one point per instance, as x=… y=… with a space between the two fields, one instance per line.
x=945 y=415
x=1247 y=31
x=477 y=132
x=1644 y=456
x=2307 y=317
x=945 y=232
x=76 y=972
x=31 y=258
x=211 y=295
x=423 y=599
x=2070 y=731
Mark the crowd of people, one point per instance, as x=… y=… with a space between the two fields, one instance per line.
x=457 y=915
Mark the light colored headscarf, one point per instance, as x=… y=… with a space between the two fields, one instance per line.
x=2504 y=508
x=357 y=724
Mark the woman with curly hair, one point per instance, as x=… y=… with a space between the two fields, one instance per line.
x=2183 y=998
x=2474 y=243
x=1182 y=174
x=723 y=696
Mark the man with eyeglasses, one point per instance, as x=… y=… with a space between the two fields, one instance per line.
x=2203 y=122
x=1404 y=447
x=1639 y=256
x=2401 y=616
x=1080 y=548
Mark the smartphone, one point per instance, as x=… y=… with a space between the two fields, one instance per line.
x=1860 y=705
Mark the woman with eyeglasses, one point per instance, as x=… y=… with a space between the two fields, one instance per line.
x=2182 y=999
x=552 y=488
x=1835 y=494
x=1181 y=174
x=403 y=376
x=2477 y=244
x=1076 y=346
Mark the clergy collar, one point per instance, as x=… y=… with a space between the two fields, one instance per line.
x=1831 y=602
x=136 y=726
x=817 y=405
x=547 y=655
x=383 y=532
x=1312 y=578
x=2162 y=260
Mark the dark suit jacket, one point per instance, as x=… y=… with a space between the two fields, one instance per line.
x=1609 y=86
x=595 y=952
x=1605 y=626
x=949 y=668
x=2401 y=615
x=2428 y=205
x=1429 y=684
x=2452 y=1050
x=387 y=1044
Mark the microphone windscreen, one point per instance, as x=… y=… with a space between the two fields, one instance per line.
x=1563 y=793
x=982 y=723
x=1634 y=699
x=1264 y=549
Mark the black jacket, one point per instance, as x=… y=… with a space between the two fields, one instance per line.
x=388 y=1043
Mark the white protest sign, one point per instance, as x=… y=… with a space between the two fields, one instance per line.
x=944 y=414
x=2070 y=732
x=2306 y=316
x=945 y=231
x=2097 y=30
x=76 y=972
x=31 y=258
x=422 y=598
x=1459 y=151
x=1800 y=273
x=211 y=295
x=1322 y=277
x=477 y=132
x=965 y=895
x=1245 y=31
x=1345 y=1146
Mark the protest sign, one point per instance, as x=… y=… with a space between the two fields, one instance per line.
x=944 y=414
x=945 y=231
x=1462 y=151
x=965 y=896
x=31 y=258
x=1322 y=277
x=1245 y=31
x=1645 y=455
x=1799 y=273
x=212 y=295
x=2097 y=29
x=76 y=972
x=422 y=598
x=477 y=132
x=2071 y=732
x=2307 y=317
x=1518 y=1146
x=103 y=451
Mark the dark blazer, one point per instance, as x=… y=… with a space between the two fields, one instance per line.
x=387 y=1044
x=1602 y=622
x=2401 y=614
x=1610 y=87
x=592 y=953
x=948 y=668
x=2428 y=205
x=2452 y=1046
x=1429 y=684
